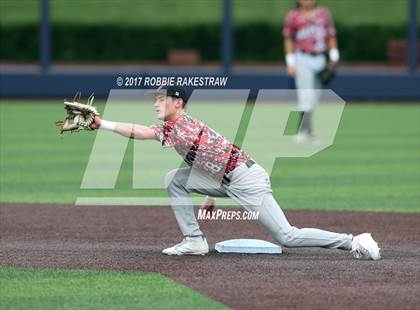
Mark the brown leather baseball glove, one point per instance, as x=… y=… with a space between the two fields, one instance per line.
x=79 y=116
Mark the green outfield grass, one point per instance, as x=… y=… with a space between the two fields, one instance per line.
x=164 y=12
x=372 y=166
x=76 y=289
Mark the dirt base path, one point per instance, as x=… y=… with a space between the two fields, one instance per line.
x=131 y=239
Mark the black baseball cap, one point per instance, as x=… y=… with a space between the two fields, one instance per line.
x=177 y=92
x=173 y=91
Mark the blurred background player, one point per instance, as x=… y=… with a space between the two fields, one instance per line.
x=310 y=45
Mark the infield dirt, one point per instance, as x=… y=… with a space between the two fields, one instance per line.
x=131 y=239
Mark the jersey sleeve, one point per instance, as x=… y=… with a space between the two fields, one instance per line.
x=289 y=28
x=329 y=24
x=164 y=135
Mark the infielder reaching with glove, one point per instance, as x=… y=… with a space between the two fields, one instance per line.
x=219 y=168
x=309 y=33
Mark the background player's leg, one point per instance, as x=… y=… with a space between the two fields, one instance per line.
x=306 y=123
x=307 y=84
x=179 y=186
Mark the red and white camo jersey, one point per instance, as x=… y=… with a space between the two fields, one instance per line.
x=310 y=32
x=200 y=146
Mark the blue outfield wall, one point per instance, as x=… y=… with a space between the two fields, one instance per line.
x=350 y=86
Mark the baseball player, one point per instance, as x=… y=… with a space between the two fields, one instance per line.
x=218 y=168
x=309 y=34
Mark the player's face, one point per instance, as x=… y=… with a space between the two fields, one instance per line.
x=166 y=107
x=307 y=4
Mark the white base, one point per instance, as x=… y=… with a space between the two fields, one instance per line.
x=252 y=246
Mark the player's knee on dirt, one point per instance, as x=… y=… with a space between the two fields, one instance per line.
x=287 y=240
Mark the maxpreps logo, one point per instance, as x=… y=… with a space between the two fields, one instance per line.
x=228 y=215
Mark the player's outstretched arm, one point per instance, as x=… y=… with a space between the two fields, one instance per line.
x=125 y=129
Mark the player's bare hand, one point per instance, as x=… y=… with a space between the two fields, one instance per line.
x=291 y=71
x=96 y=123
x=208 y=205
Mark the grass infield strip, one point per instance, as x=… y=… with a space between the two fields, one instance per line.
x=80 y=289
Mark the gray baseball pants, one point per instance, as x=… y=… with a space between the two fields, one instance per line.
x=307 y=81
x=251 y=188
